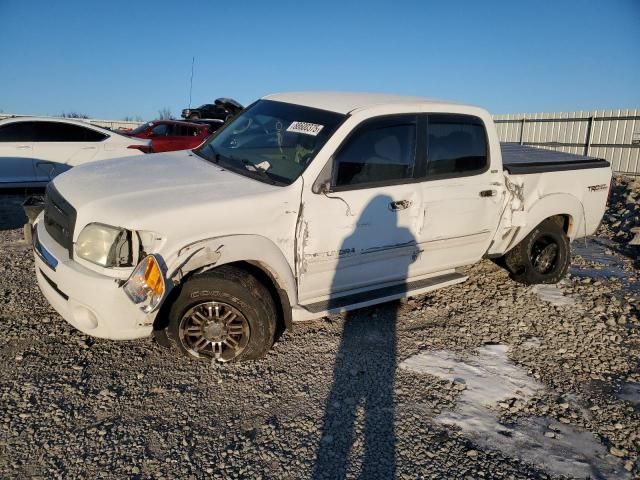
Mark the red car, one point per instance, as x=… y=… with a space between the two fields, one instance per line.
x=170 y=135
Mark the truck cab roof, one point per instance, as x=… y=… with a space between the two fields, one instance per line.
x=347 y=102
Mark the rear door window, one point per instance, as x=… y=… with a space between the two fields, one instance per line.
x=456 y=145
x=94 y=135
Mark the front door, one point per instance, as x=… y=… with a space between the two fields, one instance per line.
x=363 y=231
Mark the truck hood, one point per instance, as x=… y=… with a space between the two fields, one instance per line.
x=143 y=191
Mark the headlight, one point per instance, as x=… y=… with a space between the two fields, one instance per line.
x=104 y=245
x=145 y=286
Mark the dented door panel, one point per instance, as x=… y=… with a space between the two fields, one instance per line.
x=353 y=239
x=459 y=223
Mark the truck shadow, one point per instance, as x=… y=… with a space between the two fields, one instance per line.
x=358 y=425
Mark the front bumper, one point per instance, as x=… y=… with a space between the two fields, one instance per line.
x=94 y=304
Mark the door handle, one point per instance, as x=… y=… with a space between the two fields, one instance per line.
x=23 y=147
x=488 y=193
x=88 y=148
x=399 y=205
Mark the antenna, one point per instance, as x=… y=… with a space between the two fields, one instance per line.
x=193 y=60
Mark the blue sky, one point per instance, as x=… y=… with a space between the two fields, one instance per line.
x=131 y=58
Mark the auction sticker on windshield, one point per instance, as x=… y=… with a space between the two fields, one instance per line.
x=306 y=128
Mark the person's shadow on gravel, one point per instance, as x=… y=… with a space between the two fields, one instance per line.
x=362 y=392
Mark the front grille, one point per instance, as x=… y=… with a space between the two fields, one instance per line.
x=59 y=218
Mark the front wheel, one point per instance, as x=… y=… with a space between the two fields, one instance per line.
x=225 y=315
x=543 y=256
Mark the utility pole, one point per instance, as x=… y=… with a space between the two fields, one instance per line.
x=193 y=60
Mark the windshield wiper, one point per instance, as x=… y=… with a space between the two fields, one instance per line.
x=232 y=162
x=254 y=168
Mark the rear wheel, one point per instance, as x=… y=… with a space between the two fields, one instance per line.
x=223 y=315
x=543 y=256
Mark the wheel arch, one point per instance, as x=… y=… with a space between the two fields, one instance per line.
x=267 y=278
x=564 y=207
x=253 y=254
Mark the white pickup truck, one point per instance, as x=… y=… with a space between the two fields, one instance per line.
x=305 y=204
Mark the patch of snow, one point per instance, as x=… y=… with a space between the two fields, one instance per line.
x=553 y=295
x=630 y=392
x=490 y=377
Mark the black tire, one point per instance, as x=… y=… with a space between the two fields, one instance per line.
x=543 y=256
x=500 y=261
x=239 y=296
x=194 y=116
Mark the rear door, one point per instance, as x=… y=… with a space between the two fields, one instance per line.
x=187 y=137
x=16 y=153
x=59 y=146
x=179 y=137
x=461 y=194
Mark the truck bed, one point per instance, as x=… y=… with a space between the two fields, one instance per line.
x=521 y=160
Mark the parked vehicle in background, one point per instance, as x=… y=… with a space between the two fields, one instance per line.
x=305 y=205
x=170 y=135
x=213 y=124
x=33 y=150
x=221 y=109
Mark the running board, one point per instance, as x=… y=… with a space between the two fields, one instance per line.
x=374 y=297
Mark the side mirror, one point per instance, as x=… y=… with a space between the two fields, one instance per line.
x=322 y=187
x=322 y=184
x=325 y=187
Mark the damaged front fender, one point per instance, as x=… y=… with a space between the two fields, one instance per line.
x=259 y=251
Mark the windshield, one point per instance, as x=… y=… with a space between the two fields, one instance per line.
x=140 y=129
x=272 y=141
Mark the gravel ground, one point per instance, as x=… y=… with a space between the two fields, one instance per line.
x=332 y=398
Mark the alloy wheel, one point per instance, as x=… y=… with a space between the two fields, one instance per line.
x=544 y=255
x=214 y=330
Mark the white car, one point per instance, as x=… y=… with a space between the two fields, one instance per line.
x=33 y=150
x=304 y=205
